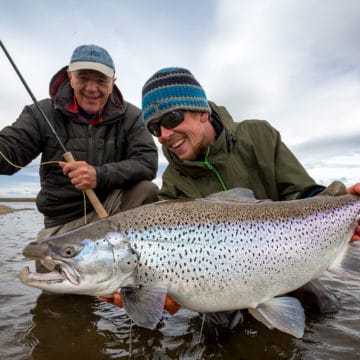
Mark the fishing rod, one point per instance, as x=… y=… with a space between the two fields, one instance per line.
x=100 y=210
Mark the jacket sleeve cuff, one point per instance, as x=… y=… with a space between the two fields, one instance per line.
x=311 y=191
x=101 y=177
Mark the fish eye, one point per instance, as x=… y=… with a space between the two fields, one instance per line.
x=69 y=252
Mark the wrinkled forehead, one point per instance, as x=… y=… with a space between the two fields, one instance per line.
x=90 y=73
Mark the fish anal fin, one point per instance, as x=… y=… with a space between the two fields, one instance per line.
x=144 y=304
x=283 y=313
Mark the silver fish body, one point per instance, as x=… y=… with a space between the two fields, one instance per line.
x=208 y=254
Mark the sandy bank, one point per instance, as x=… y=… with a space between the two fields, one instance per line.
x=5 y=209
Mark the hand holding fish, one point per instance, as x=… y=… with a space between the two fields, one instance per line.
x=355 y=190
x=170 y=304
x=81 y=174
x=115 y=300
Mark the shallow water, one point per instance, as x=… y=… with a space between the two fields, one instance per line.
x=41 y=327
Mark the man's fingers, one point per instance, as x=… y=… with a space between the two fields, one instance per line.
x=115 y=300
x=170 y=304
x=106 y=299
x=355 y=189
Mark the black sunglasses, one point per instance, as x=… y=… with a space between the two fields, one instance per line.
x=168 y=121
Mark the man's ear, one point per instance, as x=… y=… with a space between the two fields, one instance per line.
x=204 y=116
x=70 y=76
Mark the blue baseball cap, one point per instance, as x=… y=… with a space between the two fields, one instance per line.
x=92 y=57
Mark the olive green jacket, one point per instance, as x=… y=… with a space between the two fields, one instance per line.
x=249 y=154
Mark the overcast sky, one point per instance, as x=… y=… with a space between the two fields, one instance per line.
x=294 y=63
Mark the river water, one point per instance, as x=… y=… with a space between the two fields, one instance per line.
x=43 y=326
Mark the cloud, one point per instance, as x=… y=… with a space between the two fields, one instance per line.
x=331 y=158
x=293 y=63
x=331 y=146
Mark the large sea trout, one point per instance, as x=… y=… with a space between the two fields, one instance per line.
x=215 y=254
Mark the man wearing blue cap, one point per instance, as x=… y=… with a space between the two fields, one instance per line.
x=115 y=155
x=208 y=152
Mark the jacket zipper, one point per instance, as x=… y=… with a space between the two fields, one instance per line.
x=90 y=141
x=213 y=169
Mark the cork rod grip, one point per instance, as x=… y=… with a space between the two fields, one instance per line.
x=100 y=210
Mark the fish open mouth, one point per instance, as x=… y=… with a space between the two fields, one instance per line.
x=56 y=276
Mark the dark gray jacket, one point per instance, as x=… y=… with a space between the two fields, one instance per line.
x=120 y=148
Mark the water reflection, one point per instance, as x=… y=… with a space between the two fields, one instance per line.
x=65 y=326
x=71 y=326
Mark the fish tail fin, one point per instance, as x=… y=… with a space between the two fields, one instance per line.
x=347 y=263
x=283 y=313
x=144 y=304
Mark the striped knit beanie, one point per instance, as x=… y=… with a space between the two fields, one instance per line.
x=172 y=89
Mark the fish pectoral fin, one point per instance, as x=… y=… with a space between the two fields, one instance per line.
x=144 y=304
x=347 y=263
x=283 y=313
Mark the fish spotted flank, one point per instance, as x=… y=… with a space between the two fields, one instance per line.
x=208 y=254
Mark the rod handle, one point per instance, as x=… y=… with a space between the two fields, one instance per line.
x=100 y=210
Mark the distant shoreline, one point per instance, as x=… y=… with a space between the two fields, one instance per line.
x=17 y=199
x=4 y=209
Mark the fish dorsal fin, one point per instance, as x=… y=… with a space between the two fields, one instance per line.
x=336 y=188
x=235 y=194
x=144 y=304
x=283 y=313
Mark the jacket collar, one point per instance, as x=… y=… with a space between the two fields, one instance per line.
x=63 y=96
x=218 y=152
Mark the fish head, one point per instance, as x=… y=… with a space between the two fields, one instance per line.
x=97 y=267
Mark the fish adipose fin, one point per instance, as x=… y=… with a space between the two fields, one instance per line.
x=336 y=188
x=283 y=313
x=144 y=304
x=347 y=264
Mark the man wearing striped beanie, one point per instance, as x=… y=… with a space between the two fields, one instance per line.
x=200 y=139
x=208 y=152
